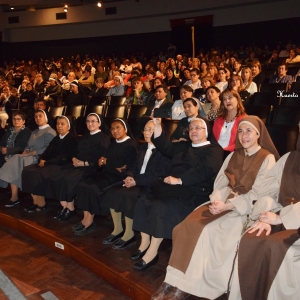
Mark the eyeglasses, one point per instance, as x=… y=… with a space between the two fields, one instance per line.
x=193 y=75
x=91 y=122
x=17 y=119
x=197 y=128
x=148 y=130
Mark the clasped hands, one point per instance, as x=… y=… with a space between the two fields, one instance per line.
x=77 y=163
x=172 y=180
x=217 y=207
x=129 y=182
x=266 y=219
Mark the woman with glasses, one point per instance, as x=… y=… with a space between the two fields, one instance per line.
x=222 y=84
x=118 y=89
x=204 y=244
x=149 y=165
x=120 y=156
x=194 y=167
x=63 y=183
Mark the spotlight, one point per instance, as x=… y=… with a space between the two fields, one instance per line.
x=99 y=4
x=12 y=8
x=66 y=8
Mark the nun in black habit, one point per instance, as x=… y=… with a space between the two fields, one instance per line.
x=62 y=184
x=149 y=165
x=120 y=156
x=195 y=166
x=60 y=151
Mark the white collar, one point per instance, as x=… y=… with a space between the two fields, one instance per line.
x=150 y=146
x=253 y=152
x=190 y=119
x=43 y=127
x=201 y=144
x=62 y=136
x=125 y=139
x=92 y=133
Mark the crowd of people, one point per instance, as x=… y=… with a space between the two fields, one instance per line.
x=217 y=187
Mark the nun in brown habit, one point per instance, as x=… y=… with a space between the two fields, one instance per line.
x=204 y=243
x=268 y=264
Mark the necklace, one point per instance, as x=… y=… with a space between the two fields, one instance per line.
x=226 y=123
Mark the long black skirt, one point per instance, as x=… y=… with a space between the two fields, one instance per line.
x=158 y=217
x=122 y=199
x=91 y=191
x=34 y=178
x=62 y=185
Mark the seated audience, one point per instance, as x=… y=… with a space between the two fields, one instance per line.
x=59 y=152
x=139 y=94
x=188 y=185
x=27 y=98
x=257 y=75
x=8 y=102
x=11 y=171
x=213 y=73
x=101 y=73
x=62 y=184
x=195 y=82
x=294 y=58
x=98 y=94
x=39 y=84
x=170 y=80
x=206 y=81
x=282 y=77
x=120 y=156
x=15 y=138
x=237 y=68
x=87 y=79
x=154 y=84
x=236 y=83
x=248 y=84
x=213 y=96
x=53 y=89
x=149 y=165
x=118 y=88
x=230 y=113
x=222 y=84
x=203 y=69
x=77 y=96
x=216 y=228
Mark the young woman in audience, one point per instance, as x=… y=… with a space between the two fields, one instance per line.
x=170 y=80
x=15 y=138
x=294 y=58
x=59 y=152
x=139 y=94
x=39 y=140
x=161 y=73
x=222 y=84
x=237 y=68
x=248 y=84
x=97 y=95
x=196 y=63
x=204 y=244
x=191 y=111
x=120 y=156
x=213 y=73
x=203 y=69
x=271 y=247
x=213 y=96
x=62 y=184
x=206 y=81
x=226 y=125
x=194 y=167
x=236 y=83
x=258 y=76
x=118 y=89
x=149 y=165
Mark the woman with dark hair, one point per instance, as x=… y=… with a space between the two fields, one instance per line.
x=171 y=81
x=206 y=82
x=213 y=96
x=194 y=167
x=222 y=83
x=203 y=69
x=236 y=83
x=62 y=184
x=258 y=76
x=87 y=79
x=27 y=98
x=77 y=97
x=237 y=68
x=120 y=156
x=149 y=165
x=204 y=244
x=139 y=94
x=294 y=58
x=98 y=94
x=154 y=84
x=230 y=113
x=59 y=152
x=39 y=140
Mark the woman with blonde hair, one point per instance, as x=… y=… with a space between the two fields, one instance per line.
x=248 y=84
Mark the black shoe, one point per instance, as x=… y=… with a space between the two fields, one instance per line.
x=77 y=226
x=112 y=238
x=141 y=265
x=35 y=208
x=85 y=230
x=59 y=213
x=120 y=244
x=138 y=255
x=10 y=203
x=67 y=214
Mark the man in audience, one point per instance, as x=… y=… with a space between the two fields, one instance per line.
x=282 y=77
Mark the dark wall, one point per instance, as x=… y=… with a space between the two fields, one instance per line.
x=270 y=32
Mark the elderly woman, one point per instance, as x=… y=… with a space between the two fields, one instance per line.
x=97 y=95
x=62 y=184
x=15 y=138
x=248 y=84
x=213 y=96
x=39 y=140
x=194 y=167
x=53 y=89
x=149 y=165
x=230 y=113
x=177 y=108
x=236 y=83
x=120 y=155
x=272 y=243
x=139 y=94
x=59 y=152
x=204 y=243
x=118 y=88
x=258 y=76
x=39 y=84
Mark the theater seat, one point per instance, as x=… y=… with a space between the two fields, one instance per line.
x=98 y=109
x=261 y=111
x=116 y=100
x=274 y=87
x=170 y=126
x=55 y=111
x=264 y=98
x=286 y=115
x=75 y=111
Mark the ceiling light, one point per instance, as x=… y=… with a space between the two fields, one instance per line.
x=12 y=8
x=99 y=4
x=65 y=9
